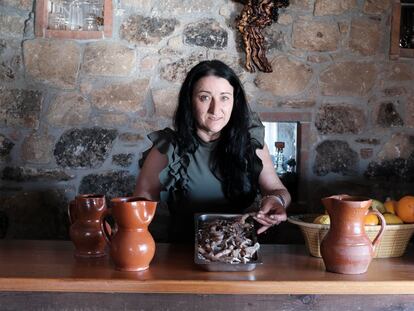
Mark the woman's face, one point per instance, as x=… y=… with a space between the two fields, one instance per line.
x=212 y=106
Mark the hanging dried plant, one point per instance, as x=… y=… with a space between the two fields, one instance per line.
x=255 y=16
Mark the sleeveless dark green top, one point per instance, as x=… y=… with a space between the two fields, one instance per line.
x=190 y=185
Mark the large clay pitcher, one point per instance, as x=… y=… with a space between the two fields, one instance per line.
x=131 y=244
x=346 y=247
x=85 y=231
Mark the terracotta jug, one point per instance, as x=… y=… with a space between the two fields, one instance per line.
x=131 y=244
x=85 y=230
x=346 y=247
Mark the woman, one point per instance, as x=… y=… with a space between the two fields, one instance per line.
x=216 y=159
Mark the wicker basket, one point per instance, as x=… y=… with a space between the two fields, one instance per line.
x=393 y=242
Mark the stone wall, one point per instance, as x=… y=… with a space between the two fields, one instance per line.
x=74 y=114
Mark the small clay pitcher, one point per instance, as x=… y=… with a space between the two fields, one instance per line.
x=85 y=230
x=346 y=247
x=132 y=246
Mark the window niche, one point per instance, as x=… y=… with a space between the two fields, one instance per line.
x=402 y=29
x=73 y=19
x=281 y=139
x=295 y=131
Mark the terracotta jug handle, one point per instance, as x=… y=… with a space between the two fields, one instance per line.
x=105 y=226
x=72 y=211
x=381 y=232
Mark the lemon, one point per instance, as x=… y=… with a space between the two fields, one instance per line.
x=392 y=219
x=322 y=219
x=379 y=206
x=390 y=205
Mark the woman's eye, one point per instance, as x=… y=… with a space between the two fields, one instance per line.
x=225 y=98
x=204 y=98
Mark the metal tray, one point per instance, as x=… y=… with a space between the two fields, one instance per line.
x=222 y=266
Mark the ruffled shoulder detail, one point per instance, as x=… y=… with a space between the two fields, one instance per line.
x=163 y=139
x=256 y=130
x=173 y=177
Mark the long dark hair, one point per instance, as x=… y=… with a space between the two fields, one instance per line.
x=234 y=155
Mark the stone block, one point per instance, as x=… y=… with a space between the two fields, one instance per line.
x=387 y=115
x=87 y=147
x=53 y=61
x=165 y=102
x=69 y=109
x=176 y=42
x=20 y=108
x=11 y=25
x=306 y=5
x=23 y=174
x=122 y=159
x=274 y=38
x=112 y=184
x=285 y=19
x=329 y=7
x=231 y=61
x=366 y=153
x=335 y=156
x=131 y=138
x=297 y=104
x=176 y=71
x=141 y=30
x=400 y=71
x=110 y=120
x=108 y=59
x=146 y=126
x=365 y=36
x=368 y=141
x=149 y=62
x=37 y=148
x=180 y=7
x=11 y=64
x=317 y=36
x=289 y=77
x=207 y=33
x=348 y=79
x=395 y=171
x=26 y=5
x=144 y=6
x=394 y=91
x=400 y=145
x=376 y=6
x=125 y=97
x=339 y=119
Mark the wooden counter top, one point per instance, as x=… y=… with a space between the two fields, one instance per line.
x=50 y=266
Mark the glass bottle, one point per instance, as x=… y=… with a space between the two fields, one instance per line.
x=280 y=159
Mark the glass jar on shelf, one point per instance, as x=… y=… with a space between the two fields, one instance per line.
x=90 y=23
x=58 y=14
x=280 y=159
x=75 y=15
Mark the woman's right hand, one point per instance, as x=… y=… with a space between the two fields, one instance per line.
x=271 y=213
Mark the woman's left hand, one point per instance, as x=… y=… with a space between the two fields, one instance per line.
x=271 y=213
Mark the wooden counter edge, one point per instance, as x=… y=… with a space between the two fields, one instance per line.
x=208 y=287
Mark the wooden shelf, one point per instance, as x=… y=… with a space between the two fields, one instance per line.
x=41 y=25
x=396 y=51
x=49 y=266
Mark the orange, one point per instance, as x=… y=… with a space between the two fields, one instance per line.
x=405 y=209
x=371 y=220
x=390 y=206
